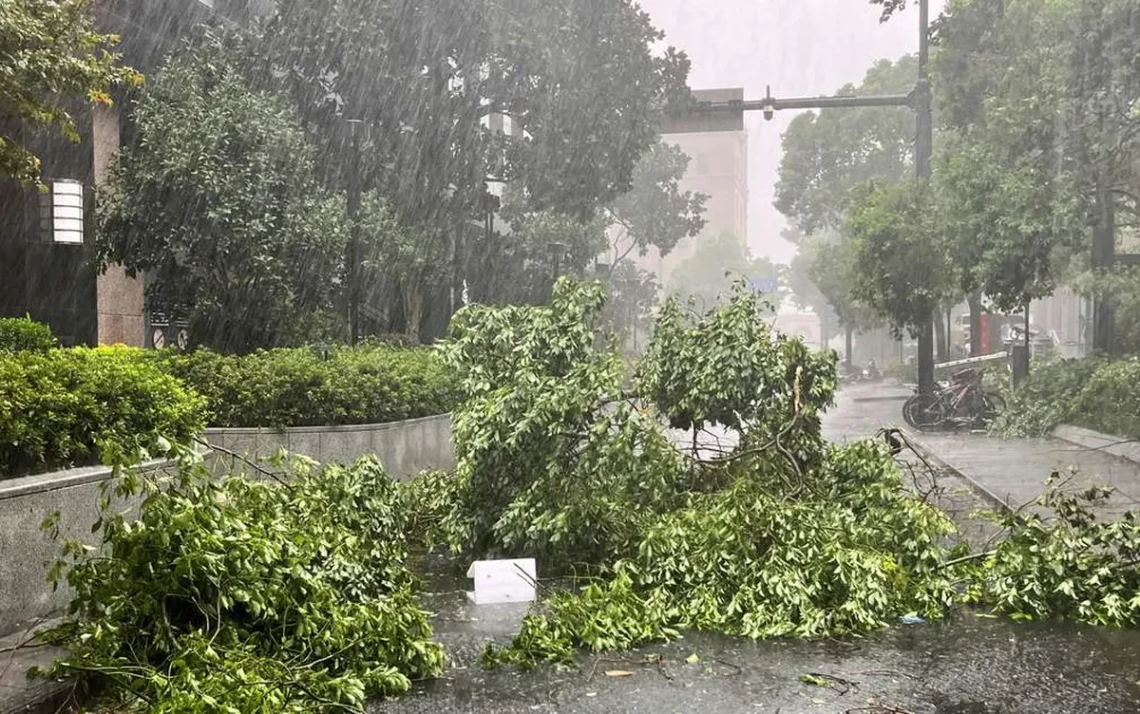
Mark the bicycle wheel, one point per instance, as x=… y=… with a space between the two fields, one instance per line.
x=908 y=405
x=926 y=411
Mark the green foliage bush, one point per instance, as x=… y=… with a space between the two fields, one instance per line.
x=239 y=595
x=23 y=334
x=69 y=407
x=1095 y=392
x=1063 y=562
x=305 y=387
x=780 y=535
x=757 y=560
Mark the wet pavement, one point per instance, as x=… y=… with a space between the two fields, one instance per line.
x=968 y=664
x=1008 y=471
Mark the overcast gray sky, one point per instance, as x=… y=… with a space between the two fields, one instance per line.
x=800 y=48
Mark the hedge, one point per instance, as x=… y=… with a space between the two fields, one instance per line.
x=305 y=387
x=1095 y=393
x=72 y=407
x=22 y=334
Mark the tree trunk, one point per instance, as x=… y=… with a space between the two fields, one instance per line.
x=413 y=309
x=940 y=337
x=975 y=303
x=1104 y=255
x=926 y=356
x=848 y=338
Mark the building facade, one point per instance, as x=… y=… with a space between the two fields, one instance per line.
x=718 y=168
x=47 y=273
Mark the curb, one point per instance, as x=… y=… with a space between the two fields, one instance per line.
x=1121 y=447
x=927 y=453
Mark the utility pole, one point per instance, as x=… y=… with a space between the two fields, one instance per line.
x=919 y=100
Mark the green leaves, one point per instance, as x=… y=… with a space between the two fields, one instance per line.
x=1095 y=392
x=51 y=53
x=80 y=406
x=1065 y=563
x=217 y=202
x=21 y=334
x=269 y=598
x=297 y=387
x=900 y=268
x=762 y=559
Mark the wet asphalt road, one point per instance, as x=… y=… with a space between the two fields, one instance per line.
x=969 y=664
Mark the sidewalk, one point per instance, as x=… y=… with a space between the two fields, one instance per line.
x=1013 y=471
x=1009 y=471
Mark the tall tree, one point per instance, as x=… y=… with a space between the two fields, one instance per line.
x=632 y=303
x=829 y=152
x=217 y=204
x=1005 y=186
x=899 y=267
x=51 y=54
x=832 y=271
x=519 y=262
x=826 y=155
x=655 y=212
x=806 y=294
x=579 y=85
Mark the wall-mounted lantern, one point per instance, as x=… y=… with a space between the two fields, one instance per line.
x=61 y=212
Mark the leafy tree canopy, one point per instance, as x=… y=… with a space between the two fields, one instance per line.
x=579 y=82
x=655 y=211
x=717 y=263
x=50 y=55
x=829 y=152
x=899 y=267
x=218 y=205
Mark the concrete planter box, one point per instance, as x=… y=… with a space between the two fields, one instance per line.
x=405 y=448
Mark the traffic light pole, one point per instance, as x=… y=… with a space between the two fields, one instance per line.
x=923 y=150
x=918 y=100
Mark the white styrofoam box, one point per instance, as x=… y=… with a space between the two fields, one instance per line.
x=503 y=581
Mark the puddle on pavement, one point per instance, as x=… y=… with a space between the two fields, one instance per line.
x=965 y=665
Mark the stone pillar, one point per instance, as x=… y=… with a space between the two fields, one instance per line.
x=118 y=297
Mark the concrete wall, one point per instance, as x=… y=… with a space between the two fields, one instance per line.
x=405 y=448
x=25 y=549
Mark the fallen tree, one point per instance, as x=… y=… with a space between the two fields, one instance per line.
x=245 y=594
x=783 y=534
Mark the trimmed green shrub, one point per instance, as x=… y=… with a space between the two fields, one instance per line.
x=71 y=407
x=306 y=387
x=23 y=334
x=1110 y=399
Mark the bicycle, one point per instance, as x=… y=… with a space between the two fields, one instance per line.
x=962 y=402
